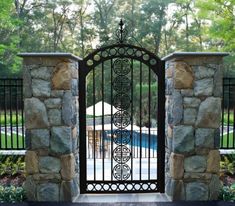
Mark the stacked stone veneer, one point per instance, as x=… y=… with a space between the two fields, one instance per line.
x=51 y=120
x=193 y=109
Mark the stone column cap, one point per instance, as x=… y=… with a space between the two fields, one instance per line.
x=50 y=54
x=194 y=54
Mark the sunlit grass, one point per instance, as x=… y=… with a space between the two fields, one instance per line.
x=229 y=118
x=228 y=141
x=8 y=119
x=10 y=142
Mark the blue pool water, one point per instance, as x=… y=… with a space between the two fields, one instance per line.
x=138 y=139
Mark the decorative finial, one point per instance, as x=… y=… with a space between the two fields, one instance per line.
x=121 y=32
x=121 y=24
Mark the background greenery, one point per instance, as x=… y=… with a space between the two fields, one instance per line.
x=162 y=26
x=77 y=26
x=12 y=176
x=227 y=176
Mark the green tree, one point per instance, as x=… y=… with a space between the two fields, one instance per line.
x=183 y=31
x=219 y=30
x=103 y=18
x=151 y=23
x=9 y=63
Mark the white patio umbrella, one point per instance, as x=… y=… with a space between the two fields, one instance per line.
x=98 y=109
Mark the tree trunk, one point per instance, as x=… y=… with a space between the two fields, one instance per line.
x=158 y=37
x=82 y=33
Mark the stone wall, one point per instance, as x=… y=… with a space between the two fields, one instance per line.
x=193 y=109
x=51 y=122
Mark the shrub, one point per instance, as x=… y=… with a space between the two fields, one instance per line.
x=12 y=165
x=12 y=170
x=12 y=194
x=227 y=165
x=227 y=175
x=228 y=193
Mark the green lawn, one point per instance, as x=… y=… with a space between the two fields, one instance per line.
x=11 y=144
x=8 y=119
x=224 y=144
x=231 y=118
x=20 y=140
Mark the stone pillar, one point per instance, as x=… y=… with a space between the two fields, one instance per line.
x=193 y=111
x=51 y=123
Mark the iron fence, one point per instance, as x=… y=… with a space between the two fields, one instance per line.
x=104 y=144
x=12 y=117
x=11 y=114
x=227 y=140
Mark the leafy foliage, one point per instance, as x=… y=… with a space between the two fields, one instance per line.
x=12 y=194
x=11 y=190
x=219 y=28
x=227 y=165
x=11 y=165
x=228 y=193
x=227 y=174
x=77 y=26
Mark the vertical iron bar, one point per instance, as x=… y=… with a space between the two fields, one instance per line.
x=134 y=144
x=140 y=119
x=234 y=123
x=132 y=119
x=103 y=115
x=153 y=152
x=149 y=96
x=22 y=113
x=94 y=120
x=1 y=147
x=0 y=117
x=82 y=126
x=16 y=107
x=161 y=127
x=222 y=138
x=10 y=96
x=228 y=116
x=145 y=144
x=138 y=145
x=111 y=62
x=5 y=112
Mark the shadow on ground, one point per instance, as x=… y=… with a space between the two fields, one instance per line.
x=180 y=203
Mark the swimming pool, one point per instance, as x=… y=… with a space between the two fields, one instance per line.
x=140 y=143
x=139 y=138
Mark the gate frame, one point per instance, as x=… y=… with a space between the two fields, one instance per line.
x=159 y=70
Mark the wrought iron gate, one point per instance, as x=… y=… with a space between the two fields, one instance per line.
x=121 y=114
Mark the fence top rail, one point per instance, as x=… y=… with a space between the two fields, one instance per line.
x=228 y=81
x=50 y=54
x=229 y=78
x=11 y=78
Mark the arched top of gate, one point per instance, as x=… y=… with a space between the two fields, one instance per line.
x=122 y=50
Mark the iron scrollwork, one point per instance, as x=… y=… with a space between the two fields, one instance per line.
x=122 y=137
x=121 y=171
x=121 y=33
x=121 y=119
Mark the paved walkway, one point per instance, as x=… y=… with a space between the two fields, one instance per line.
x=14 y=130
x=127 y=198
x=209 y=203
